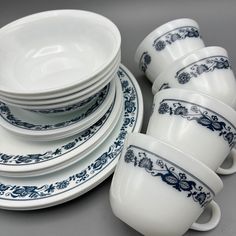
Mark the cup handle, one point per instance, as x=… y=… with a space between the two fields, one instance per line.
x=232 y=169
x=213 y=222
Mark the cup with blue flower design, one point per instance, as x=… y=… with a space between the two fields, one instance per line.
x=197 y=124
x=166 y=44
x=206 y=70
x=159 y=190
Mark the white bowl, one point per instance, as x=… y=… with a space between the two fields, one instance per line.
x=65 y=101
x=55 y=50
x=59 y=96
x=38 y=127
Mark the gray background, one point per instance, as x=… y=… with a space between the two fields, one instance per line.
x=91 y=214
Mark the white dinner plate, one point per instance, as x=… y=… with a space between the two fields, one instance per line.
x=75 y=180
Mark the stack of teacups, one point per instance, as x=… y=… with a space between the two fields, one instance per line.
x=167 y=177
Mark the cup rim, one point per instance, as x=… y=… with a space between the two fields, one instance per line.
x=213 y=104
x=182 y=160
x=179 y=62
x=156 y=33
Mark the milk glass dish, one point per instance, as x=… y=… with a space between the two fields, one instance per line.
x=159 y=190
x=197 y=124
x=166 y=44
x=207 y=70
x=55 y=50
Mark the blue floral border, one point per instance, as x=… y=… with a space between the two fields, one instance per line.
x=170 y=173
x=36 y=158
x=144 y=61
x=197 y=68
x=174 y=35
x=202 y=115
x=72 y=107
x=8 y=116
x=131 y=110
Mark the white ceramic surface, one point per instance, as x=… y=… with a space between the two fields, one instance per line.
x=159 y=190
x=54 y=50
x=197 y=124
x=39 y=127
x=39 y=158
x=166 y=44
x=73 y=98
x=67 y=94
x=207 y=70
x=48 y=190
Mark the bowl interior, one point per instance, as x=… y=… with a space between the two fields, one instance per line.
x=51 y=50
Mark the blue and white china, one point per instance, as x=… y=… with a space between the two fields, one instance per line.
x=77 y=179
x=65 y=102
x=34 y=158
x=52 y=51
x=77 y=93
x=76 y=106
x=159 y=190
x=43 y=128
x=197 y=124
x=207 y=70
x=166 y=44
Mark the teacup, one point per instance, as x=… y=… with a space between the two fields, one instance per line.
x=159 y=190
x=206 y=70
x=197 y=124
x=166 y=44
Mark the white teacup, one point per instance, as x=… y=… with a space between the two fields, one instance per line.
x=166 y=44
x=158 y=190
x=197 y=124
x=206 y=70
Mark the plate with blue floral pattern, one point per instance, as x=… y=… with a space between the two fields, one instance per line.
x=77 y=179
x=32 y=158
x=40 y=127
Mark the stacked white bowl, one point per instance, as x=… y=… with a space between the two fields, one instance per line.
x=169 y=173
x=54 y=64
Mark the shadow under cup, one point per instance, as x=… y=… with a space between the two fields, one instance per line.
x=159 y=190
x=197 y=124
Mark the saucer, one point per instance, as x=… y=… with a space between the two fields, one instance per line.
x=77 y=179
x=39 y=127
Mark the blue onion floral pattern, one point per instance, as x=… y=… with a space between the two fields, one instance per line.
x=35 y=158
x=169 y=173
x=203 y=116
x=23 y=193
x=7 y=115
x=76 y=106
x=144 y=61
x=174 y=35
x=164 y=86
x=205 y=65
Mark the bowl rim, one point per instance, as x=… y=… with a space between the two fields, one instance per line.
x=62 y=13
x=181 y=159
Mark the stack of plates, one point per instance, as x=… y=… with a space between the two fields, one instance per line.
x=49 y=153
